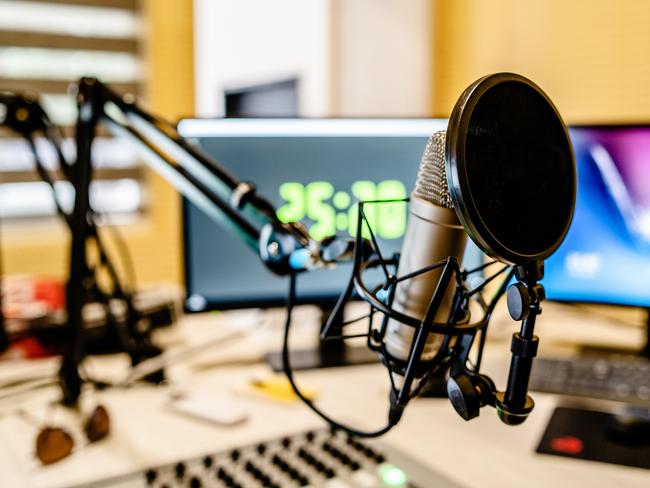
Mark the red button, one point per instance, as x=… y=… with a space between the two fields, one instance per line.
x=567 y=444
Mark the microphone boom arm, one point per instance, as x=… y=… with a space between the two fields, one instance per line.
x=283 y=247
x=23 y=114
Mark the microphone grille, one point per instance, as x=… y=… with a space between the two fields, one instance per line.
x=431 y=182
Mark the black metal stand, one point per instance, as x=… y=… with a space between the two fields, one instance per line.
x=524 y=303
x=328 y=354
x=82 y=286
x=26 y=117
x=80 y=176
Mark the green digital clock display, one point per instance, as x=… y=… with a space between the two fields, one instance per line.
x=329 y=211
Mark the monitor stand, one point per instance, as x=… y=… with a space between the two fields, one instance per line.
x=328 y=354
x=644 y=351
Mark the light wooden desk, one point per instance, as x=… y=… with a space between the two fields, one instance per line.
x=480 y=453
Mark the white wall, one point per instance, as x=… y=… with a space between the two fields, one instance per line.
x=245 y=42
x=383 y=53
x=353 y=57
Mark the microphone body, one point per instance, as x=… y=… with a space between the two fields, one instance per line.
x=433 y=233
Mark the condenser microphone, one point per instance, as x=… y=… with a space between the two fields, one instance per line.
x=433 y=234
x=503 y=174
x=506 y=177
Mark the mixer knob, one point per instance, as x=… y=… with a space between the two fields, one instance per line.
x=151 y=476
x=179 y=470
x=228 y=480
x=265 y=480
x=351 y=441
x=195 y=482
x=208 y=461
x=235 y=455
x=254 y=470
x=261 y=449
x=371 y=454
x=336 y=453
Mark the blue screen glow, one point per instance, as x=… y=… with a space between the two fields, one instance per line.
x=605 y=257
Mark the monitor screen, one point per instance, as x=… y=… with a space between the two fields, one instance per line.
x=605 y=257
x=312 y=171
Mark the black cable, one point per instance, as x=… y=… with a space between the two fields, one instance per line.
x=125 y=256
x=117 y=238
x=286 y=365
x=45 y=176
x=4 y=336
x=488 y=315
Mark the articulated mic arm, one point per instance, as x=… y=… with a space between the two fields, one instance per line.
x=283 y=247
x=23 y=114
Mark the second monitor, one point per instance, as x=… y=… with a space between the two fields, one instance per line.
x=313 y=171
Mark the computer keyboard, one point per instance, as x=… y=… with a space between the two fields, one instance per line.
x=620 y=379
x=317 y=458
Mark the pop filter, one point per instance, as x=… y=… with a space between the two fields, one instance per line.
x=510 y=168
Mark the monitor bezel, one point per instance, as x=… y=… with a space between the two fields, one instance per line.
x=193 y=128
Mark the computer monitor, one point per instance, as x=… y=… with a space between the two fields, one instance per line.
x=605 y=257
x=275 y=99
x=313 y=171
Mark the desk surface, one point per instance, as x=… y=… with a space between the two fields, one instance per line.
x=483 y=452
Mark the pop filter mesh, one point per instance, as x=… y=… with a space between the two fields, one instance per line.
x=520 y=172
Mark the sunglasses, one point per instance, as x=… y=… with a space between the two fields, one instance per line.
x=55 y=443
